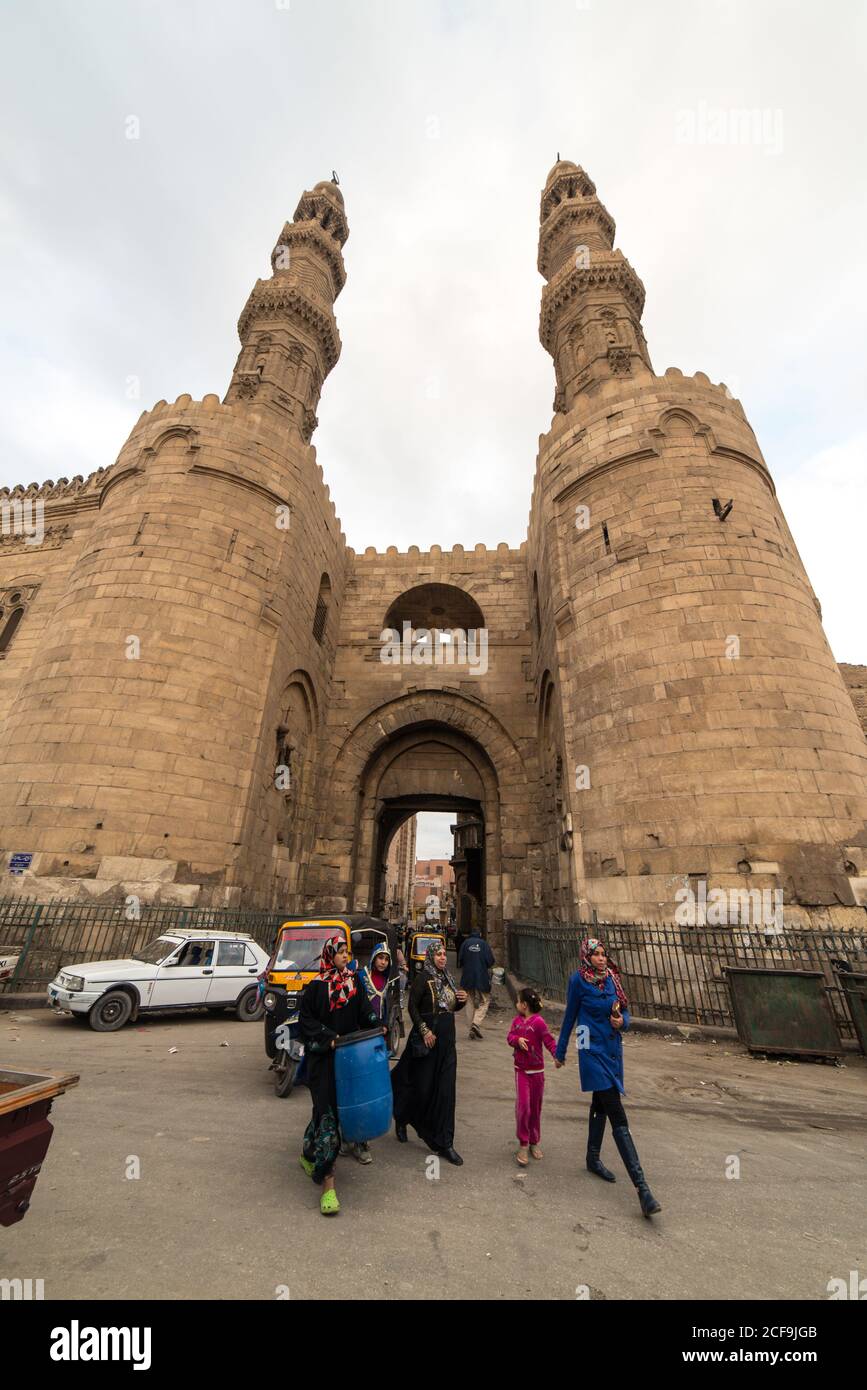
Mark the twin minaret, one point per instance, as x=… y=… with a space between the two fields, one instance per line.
x=287 y=329
x=593 y=299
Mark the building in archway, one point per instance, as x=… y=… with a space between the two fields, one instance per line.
x=400 y=873
x=208 y=697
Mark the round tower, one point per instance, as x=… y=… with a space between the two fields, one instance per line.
x=141 y=749
x=708 y=736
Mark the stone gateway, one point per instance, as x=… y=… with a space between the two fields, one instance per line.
x=196 y=703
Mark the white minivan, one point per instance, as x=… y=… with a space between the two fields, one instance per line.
x=179 y=970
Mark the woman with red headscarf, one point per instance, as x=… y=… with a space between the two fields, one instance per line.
x=597 y=1004
x=331 y=1006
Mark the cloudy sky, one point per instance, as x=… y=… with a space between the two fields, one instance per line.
x=127 y=261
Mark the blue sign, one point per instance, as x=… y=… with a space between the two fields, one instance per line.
x=19 y=862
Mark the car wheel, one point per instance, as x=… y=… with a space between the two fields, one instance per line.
x=285 y=1070
x=249 y=1008
x=110 y=1012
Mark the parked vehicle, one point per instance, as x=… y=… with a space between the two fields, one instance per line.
x=418 y=950
x=8 y=962
x=215 y=970
x=294 y=963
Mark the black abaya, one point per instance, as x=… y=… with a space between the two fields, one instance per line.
x=424 y=1085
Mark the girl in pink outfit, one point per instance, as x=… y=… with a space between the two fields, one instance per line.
x=527 y=1035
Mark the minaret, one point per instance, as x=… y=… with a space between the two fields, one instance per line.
x=706 y=734
x=592 y=304
x=287 y=329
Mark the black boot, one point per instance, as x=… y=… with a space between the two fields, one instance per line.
x=401 y=1134
x=594 y=1144
x=627 y=1151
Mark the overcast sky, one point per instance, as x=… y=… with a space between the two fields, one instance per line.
x=132 y=258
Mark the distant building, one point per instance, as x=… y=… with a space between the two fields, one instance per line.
x=400 y=872
x=434 y=877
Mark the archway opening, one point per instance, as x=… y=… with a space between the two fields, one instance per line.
x=429 y=767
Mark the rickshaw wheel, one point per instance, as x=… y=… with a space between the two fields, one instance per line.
x=394 y=1033
x=285 y=1070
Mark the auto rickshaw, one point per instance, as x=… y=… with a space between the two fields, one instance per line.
x=418 y=948
x=294 y=963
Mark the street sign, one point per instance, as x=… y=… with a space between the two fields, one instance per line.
x=19 y=862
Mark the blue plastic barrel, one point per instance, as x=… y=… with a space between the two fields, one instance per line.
x=363 y=1085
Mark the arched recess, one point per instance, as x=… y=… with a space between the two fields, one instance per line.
x=323 y=603
x=349 y=834
x=442 y=606
x=290 y=797
x=557 y=827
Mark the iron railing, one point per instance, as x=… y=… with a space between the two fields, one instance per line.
x=677 y=974
x=47 y=936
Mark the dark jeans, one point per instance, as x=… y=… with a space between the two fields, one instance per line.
x=609 y=1104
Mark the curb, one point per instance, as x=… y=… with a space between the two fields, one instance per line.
x=555 y=1010
x=23 y=1001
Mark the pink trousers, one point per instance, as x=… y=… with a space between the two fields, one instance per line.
x=528 y=1106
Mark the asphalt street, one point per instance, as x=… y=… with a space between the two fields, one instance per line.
x=222 y=1210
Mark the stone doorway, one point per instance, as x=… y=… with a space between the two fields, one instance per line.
x=468 y=852
x=431 y=767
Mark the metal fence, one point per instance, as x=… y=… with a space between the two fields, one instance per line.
x=47 y=936
x=677 y=974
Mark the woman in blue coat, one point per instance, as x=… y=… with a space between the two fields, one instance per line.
x=597 y=1004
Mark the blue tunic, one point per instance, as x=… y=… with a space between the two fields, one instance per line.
x=600 y=1050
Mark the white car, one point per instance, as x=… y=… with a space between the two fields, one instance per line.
x=179 y=970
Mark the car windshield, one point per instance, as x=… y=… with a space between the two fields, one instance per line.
x=421 y=944
x=301 y=949
x=155 y=951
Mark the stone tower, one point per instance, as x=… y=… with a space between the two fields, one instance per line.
x=173 y=668
x=693 y=724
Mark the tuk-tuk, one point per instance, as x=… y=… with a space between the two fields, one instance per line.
x=294 y=963
x=418 y=947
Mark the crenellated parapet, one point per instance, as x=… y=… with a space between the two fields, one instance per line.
x=480 y=554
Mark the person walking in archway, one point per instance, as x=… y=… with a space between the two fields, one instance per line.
x=597 y=1004
x=424 y=1080
x=476 y=961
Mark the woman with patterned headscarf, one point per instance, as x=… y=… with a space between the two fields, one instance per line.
x=597 y=1004
x=423 y=1082
x=331 y=1006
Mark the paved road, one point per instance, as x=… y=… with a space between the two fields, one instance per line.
x=222 y=1209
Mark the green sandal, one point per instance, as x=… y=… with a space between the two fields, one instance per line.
x=307 y=1165
x=328 y=1203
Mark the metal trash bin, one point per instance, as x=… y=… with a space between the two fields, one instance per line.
x=25 y=1133
x=783 y=1011
x=854 y=986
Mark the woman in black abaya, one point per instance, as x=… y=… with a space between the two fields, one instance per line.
x=423 y=1082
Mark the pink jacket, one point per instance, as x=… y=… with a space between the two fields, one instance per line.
x=534 y=1028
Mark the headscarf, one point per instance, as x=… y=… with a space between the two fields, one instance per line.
x=443 y=983
x=366 y=975
x=341 y=983
x=598 y=977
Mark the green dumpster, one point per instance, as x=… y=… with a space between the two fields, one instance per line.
x=855 y=990
x=783 y=1011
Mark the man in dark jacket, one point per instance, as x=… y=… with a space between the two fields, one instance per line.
x=476 y=960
